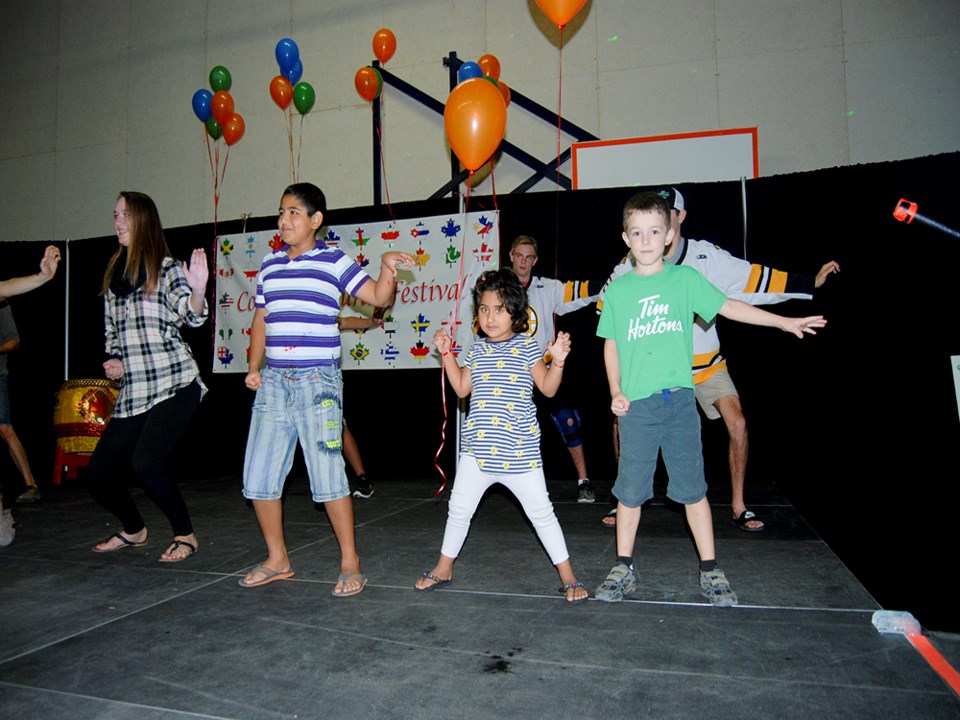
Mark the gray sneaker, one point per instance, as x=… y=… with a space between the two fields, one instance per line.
x=30 y=495
x=586 y=493
x=7 y=531
x=620 y=581
x=714 y=587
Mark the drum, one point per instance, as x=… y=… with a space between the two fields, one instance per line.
x=82 y=411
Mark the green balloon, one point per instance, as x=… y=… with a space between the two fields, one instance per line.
x=304 y=97
x=493 y=80
x=220 y=79
x=213 y=127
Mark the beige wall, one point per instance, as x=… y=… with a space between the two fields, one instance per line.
x=95 y=94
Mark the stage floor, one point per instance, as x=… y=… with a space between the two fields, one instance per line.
x=120 y=635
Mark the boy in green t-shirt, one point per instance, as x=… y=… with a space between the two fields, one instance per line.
x=647 y=321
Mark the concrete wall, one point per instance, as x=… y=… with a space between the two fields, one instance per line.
x=95 y=94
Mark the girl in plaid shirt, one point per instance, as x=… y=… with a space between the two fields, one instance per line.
x=147 y=297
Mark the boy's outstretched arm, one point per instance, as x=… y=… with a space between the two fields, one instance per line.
x=258 y=348
x=618 y=401
x=459 y=377
x=741 y=312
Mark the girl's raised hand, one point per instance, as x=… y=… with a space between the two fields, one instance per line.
x=196 y=272
x=442 y=341
x=560 y=347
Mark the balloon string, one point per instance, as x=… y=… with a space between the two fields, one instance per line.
x=443 y=432
x=559 y=106
x=206 y=137
x=293 y=170
x=223 y=172
x=216 y=186
x=493 y=185
x=453 y=335
x=296 y=177
x=383 y=166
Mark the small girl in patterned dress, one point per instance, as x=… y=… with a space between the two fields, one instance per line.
x=501 y=438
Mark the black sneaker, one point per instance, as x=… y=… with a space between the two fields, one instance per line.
x=364 y=488
x=585 y=493
x=30 y=495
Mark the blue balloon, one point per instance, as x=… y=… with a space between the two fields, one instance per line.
x=201 y=104
x=468 y=71
x=288 y=55
x=295 y=73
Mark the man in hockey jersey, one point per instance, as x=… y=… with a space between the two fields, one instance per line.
x=548 y=297
x=715 y=391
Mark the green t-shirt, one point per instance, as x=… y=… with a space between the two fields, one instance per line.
x=651 y=319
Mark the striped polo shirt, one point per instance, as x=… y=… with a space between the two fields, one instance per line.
x=301 y=297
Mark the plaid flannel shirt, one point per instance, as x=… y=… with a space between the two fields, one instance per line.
x=143 y=331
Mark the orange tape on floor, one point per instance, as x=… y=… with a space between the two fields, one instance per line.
x=935 y=660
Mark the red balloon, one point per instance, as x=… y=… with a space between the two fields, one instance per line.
x=505 y=91
x=384 y=44
x=221 y=106
x=490 y=66
x=368 y=82
x=561 y=11
x=475 y=118
x=281 y=91
x=233 y=129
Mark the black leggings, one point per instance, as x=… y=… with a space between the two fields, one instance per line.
x=143 y=443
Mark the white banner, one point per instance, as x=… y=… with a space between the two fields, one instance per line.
x=450 y=251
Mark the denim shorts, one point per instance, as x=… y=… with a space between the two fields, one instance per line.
x=667 y=422
x=296 y=404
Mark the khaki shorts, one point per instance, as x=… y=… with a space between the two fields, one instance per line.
x=712 y=389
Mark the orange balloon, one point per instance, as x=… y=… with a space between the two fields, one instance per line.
x=561 y=11
x=233 y=129
x=221 y=106
x=475 y=118
x=505 y=91
x=281 y=91
x=490 y=66
x=384 y=44
x=368 y=82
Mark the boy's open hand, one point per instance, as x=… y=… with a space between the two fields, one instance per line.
x=560 y=348
x=799 y=326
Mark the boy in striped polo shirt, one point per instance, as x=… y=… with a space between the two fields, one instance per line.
x=299 y=391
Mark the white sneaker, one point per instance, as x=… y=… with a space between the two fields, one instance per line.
x=7 y=531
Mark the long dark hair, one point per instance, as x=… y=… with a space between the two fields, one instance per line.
x=147 y=247
x=507 y=285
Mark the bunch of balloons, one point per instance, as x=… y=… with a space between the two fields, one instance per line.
x=216 y=109
x=488 y=68
x=286 y=86
x=475 y=115
x=368 y=81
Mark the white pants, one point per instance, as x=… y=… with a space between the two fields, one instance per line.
x=529 y=488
